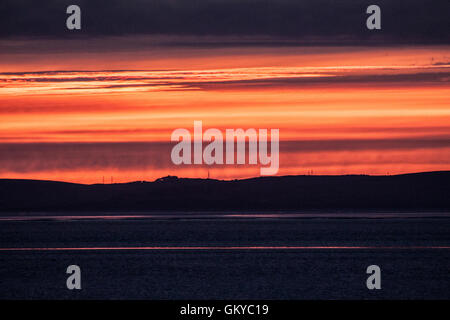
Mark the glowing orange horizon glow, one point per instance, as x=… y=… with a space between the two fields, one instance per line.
x=388 y=109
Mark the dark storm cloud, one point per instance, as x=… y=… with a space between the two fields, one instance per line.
x=399 y=79
x=184 y=82
x=305 y=21
x=34 y=157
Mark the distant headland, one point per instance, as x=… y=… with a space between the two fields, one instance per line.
x=427 y=191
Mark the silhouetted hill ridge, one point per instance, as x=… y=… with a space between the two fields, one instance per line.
x=428 y=191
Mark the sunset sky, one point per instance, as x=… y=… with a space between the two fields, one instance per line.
x=81 y=109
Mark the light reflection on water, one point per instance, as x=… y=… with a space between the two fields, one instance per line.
x=170 y=215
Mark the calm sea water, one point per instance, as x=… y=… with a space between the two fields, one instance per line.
x=202 y=256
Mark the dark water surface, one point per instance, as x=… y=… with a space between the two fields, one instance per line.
x=227 y=258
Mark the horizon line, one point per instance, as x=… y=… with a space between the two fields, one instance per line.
x=224 y=248
x=160 y=179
